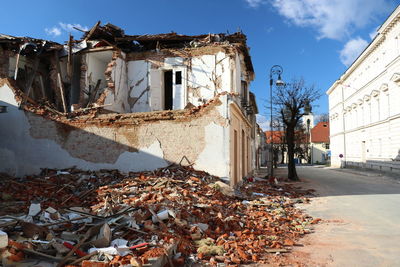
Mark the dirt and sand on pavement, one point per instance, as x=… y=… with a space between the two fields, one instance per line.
x=360 y=218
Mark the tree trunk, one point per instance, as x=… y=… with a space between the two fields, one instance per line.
x=292 y=174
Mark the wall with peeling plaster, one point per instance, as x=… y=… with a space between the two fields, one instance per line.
x=203 y=77
x=31 y=142
x=118 y=97
x=139 y=87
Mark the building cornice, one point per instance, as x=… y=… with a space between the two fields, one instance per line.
x=396 y=78
x=394 y=117
x=376 y=42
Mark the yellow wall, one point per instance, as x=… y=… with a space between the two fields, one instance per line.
x=240 y=147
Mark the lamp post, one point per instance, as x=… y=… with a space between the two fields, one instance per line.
x=308 y=143
x=277 y=71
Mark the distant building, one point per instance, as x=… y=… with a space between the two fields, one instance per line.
x=261 y=146
x=319 y=136
x=310 y=143
x=364 y=104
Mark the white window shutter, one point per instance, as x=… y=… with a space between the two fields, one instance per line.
x=155 y=90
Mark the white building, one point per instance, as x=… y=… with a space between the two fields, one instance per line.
x=364 y=104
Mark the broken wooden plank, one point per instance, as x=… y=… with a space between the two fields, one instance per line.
x=67 y=257
x=69 y=62
x=42 y=88
x=53 y=110
x=31 y=79
x=61 y=86
x=40 y=254
x=94 y=93
x=59 y=80
x=16 y=66
x=66 y=221
x=92 y=30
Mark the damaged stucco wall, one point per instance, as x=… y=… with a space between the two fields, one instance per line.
x=135 y=82
x=117 y=95
x=31 y=142
x=139 y=87
x=205 y=74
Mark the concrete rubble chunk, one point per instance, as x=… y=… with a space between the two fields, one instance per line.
x=69 y=236
x=224 y=188
x=34 y=209
x=103 y=238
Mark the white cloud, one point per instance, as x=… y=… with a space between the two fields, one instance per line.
x=54 y=31
x=333 y=19
x=263 y=122
x=64 y=28
x=373 y=33
x=351 y=50
x=68 y=27
x=269 y=29
x=255 y=3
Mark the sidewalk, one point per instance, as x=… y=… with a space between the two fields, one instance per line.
x=261 y=172
x=365 y=172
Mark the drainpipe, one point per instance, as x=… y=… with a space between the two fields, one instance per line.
x=344 y=131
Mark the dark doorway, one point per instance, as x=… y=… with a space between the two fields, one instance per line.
x=168 y=90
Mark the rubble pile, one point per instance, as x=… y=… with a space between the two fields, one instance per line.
x=174 y=216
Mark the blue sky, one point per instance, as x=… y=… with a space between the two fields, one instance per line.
x=313 y=39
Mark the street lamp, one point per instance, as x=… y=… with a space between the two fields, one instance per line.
x=277 y=71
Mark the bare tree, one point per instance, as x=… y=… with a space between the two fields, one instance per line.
x=290 y=101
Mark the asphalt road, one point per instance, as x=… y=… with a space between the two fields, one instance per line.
x=361 y=218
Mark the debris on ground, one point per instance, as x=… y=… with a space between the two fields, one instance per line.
x=172 y=216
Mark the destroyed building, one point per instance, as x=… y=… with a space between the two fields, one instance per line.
x=128 y=102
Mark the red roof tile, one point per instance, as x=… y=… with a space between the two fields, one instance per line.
x=320 y=133
x=278 y=137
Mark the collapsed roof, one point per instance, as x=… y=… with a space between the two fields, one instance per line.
x=43 y=57
x=114 y=36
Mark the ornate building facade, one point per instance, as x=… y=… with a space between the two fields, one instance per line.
x=364 y=105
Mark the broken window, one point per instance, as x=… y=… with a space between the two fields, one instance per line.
x=178 y=77
x=244 y=93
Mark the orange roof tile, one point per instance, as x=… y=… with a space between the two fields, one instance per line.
x=320 y=133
